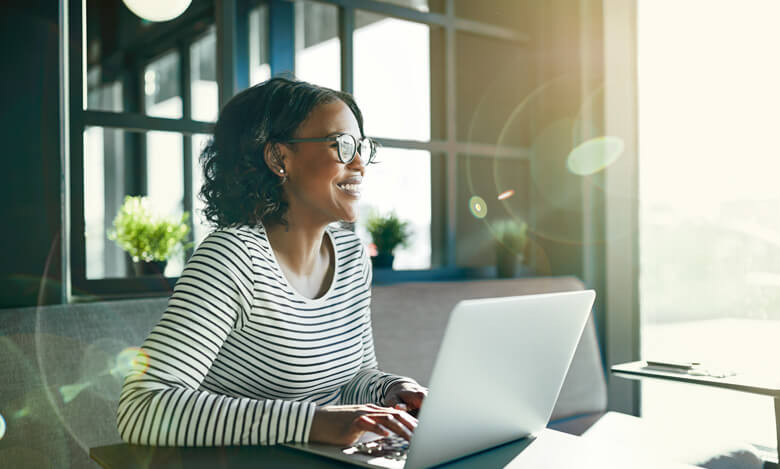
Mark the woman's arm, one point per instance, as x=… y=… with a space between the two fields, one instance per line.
x=160 y=404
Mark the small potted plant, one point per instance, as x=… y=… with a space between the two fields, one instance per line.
x=387 y=232
x=148 y=238
x=511 y=240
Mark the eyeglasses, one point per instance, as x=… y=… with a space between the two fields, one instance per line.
x=348 y=146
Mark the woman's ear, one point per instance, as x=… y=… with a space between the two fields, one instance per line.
x=274 y=159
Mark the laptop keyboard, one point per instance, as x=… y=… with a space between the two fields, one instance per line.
x=391 y=447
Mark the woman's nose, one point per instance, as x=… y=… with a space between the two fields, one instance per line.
x=357 y=162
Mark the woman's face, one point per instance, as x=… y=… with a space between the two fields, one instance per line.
x=316 y=175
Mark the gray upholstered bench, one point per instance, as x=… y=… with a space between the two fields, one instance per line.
x=409 y=321
x=59 y=387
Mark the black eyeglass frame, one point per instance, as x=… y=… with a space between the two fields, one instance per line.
x=355 y=144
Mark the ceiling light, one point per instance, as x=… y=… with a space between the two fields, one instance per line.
x=157 y=10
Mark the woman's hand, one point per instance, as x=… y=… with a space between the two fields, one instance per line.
x=406 y=396
x=344 y=424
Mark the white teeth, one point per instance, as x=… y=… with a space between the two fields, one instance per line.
x=350 y=187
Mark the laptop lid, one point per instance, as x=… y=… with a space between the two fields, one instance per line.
x=498 y=373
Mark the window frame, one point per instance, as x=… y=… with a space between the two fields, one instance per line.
x=231 y=20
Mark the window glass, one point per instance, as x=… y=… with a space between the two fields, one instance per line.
x=104 y=58
x=259 y=69
x=104 y=189
x=108 y=177
x=161 y=87
x=392 y=76
x=505 y=13
x=203 y=73
x=317 y=45
x=709 y=233
x=488 y=102
x=165 y=182
x=103 y=96
x=491 y=191
x=400 y=182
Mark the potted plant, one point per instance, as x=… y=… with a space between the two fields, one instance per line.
x=387 y=232
x=511 y=240
x=148 y=238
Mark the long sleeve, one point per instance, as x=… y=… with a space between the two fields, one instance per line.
x=161 y=403
x=369 y=385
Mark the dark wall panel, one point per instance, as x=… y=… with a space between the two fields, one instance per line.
x=30 y=187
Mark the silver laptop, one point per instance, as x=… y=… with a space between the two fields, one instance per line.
x=496 y=379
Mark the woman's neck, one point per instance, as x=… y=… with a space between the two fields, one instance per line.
x=302 y=248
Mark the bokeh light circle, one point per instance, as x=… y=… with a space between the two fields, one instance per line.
x=478 y=207
x=594 y=155
x=2 y=427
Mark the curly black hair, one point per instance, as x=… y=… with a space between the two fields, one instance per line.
x=238 y=187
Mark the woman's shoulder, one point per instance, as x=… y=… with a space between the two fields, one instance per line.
x=345 y=238
x=245 y=239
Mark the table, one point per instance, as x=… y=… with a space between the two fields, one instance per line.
x=549 y=449
x=751 y=383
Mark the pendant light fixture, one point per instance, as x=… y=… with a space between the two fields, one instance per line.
x=157 y=10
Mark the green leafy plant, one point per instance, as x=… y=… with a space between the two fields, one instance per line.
x=388 y=232
x=145 y=235
x=512 y=235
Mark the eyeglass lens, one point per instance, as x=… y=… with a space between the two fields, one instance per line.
x=347 y=147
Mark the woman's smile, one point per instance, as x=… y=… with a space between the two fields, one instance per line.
x=351 y=186
x=353 y=190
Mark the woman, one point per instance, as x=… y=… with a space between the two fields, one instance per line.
x=267 y=336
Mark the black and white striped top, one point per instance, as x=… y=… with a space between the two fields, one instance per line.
x=239 y=357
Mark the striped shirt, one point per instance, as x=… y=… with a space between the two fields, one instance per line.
x=239 y=357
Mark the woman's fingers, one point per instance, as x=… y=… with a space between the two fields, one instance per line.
x=395 y=423
x=365 y=423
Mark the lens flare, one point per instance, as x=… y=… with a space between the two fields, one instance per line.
x=131 y=358
x=70 y=391
x=592 y=156
x=2 y=427
x=506 y=194
x=477 y=206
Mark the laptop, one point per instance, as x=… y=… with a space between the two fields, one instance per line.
x=496 y=379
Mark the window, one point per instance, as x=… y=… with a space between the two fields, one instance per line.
x=161 y=87
x=149 y=87
x=259 y=67
x=392 y=76
x=153 y=91
x=401 y=182
x=203 y=77
x=317 y=44
x=709 y=199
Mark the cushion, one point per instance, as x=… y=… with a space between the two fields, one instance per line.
x=409 y=321
x=60 y=378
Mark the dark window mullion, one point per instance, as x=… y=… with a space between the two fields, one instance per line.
x=185 y=85
x=346 y=33
x=451 y=165
x=281 y=37
x=137 y=150
x=77 y=241
x=241 y=45
x=226 y=49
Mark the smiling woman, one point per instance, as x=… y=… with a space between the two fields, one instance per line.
x=267 y=337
